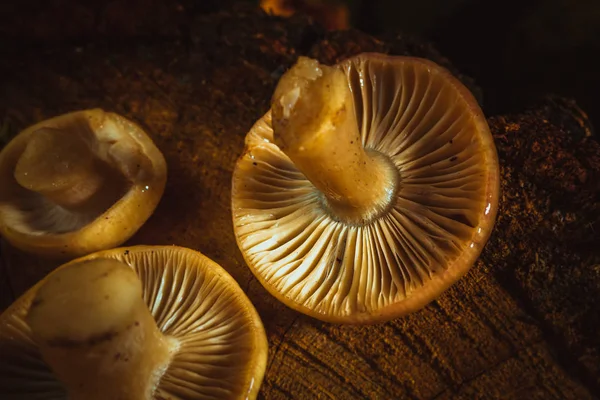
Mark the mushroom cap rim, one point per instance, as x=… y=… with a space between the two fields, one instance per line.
x=256 y=369
x=146 y=194
x=439 y=282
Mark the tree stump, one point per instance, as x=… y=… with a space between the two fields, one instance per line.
x=523 y=323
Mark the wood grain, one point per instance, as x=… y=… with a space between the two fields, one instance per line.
x=198 y=92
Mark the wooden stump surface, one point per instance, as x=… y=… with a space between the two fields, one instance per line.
x=523 y=324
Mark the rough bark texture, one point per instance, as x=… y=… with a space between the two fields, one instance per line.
x=522 y=324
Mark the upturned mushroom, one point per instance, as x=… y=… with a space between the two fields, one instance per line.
x=367 y=189
x=78 y=183
x=138 y=323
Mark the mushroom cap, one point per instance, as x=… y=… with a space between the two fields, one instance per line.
x=223 y=346
x=432 y=129
x=32 y=223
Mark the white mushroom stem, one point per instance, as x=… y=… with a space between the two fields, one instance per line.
x=314 y=124
x=97 y=334
x=60 y=165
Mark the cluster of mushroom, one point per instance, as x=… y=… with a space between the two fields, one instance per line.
x=368 y=189
x=128 y=323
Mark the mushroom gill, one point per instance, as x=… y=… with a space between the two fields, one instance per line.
x=145 y=322
x=78 y=183
x=367 y=190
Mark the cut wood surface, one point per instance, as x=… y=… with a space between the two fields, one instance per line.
x=522 y=324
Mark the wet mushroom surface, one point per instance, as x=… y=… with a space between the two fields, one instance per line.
x=142 y=322
x=368 y=188
x=78 y=183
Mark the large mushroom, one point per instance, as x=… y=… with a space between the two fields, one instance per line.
x=78 y=183
x=367 y=190
x=138 y=323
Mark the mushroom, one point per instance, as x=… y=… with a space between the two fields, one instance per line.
x=135 y=323
x=78 y=183
x=367 y=189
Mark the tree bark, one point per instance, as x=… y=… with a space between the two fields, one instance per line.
x=522 y=324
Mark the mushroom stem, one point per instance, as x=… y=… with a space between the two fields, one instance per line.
x=315 y=125
x=97 y=334
x=61 y=166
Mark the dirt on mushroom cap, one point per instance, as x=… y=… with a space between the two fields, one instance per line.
x=430 y=126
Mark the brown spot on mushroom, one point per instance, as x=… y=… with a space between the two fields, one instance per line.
x=166 y=305
x=91 y=341
x=36 y=303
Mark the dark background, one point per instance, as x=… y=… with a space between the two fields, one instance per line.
x=517 y=50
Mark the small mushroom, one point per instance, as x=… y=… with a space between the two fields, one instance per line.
x=133 y=323
x=78 y=183
x=367 y=190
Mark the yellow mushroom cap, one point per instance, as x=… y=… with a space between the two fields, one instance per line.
x=54 y=153
x=78 y=183
x=429 y=126
x=221 y=344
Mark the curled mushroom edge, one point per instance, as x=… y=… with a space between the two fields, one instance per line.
x=78 y=183
x=368 y=188
x=135 y=322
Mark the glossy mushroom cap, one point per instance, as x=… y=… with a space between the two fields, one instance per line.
x=138 y=323
x=378 y=201
x=78 y=183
